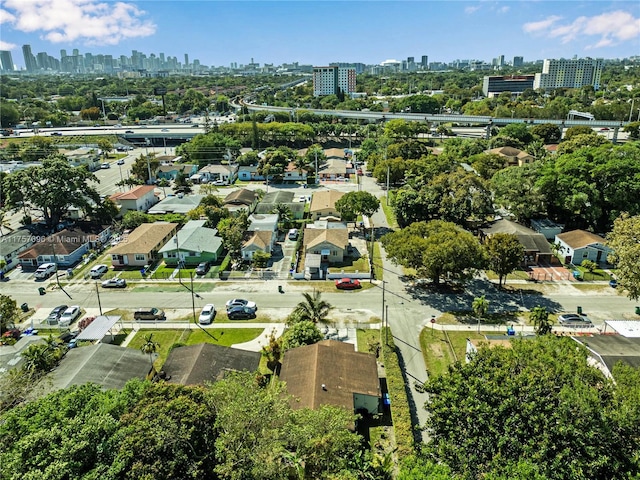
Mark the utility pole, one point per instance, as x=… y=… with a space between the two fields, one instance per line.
x=316 y=155
x=386 y=330
x=98 y=294
x=387 y=184
x=193 y=299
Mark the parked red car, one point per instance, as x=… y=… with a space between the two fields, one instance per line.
x=348 y=284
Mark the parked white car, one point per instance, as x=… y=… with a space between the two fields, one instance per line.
x=69 y=316
x=45 y=270
x=207 y=314
x=98 y=270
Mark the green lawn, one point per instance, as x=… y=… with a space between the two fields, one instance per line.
x=166 y=338
x=436 y=348
x=516 y=275
x=361 y=265
x=366 y=338
x=388 y=211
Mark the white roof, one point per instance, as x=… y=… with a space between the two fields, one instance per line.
x=626 y=328
x=99 y=327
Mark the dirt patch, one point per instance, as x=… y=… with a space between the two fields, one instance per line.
x=436 y=350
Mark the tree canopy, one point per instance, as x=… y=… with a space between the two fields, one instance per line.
x=624 y=239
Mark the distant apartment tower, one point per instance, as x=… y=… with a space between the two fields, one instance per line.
x=186 y=60
x=574 y=73
x=331 y=80
x=516 y=84
x=6 y=61
x=518 y=61
x=424 y=62
x=29 y=59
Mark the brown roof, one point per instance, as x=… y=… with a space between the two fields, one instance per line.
x=335 y=236
x=260 y=238
x=580 y=238
x=64 y=242
x=134 y=194
x=331 y=363
x=325 y=199
x=241 y=197
x=179 y=167
x=206 y=362
x=144 y=238
x=531 y=240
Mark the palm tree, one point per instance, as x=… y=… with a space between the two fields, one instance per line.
x=285 y=216
x=540 y=318
x=149 y=347
x=480 y=306
x=313 y=309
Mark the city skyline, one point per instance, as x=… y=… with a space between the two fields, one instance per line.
x=221 y=33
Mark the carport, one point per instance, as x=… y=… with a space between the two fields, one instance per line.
x=100 y=327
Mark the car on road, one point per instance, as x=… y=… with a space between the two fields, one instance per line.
x=195 y=125
x=240 y=302
x=207 y=314
x=348 y=284
x=202 y=268
x=613 y=283
x=241 y=313
x=571 y=319
x=56 y=134
x=604 y=129
x=69 y=316
x=115 y=283
x=164 y=130
x=105 y=166
x=55 y=314
x=149 y=314
x=97 y=125
x=120 y=162
x=98 y=270
x=128 y=131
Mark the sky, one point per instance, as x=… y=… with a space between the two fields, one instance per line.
x=320 y=32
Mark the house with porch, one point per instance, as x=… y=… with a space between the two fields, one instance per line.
x=331 y=372
x=193 y=244
x=579 y=245
x=169 y=171
x=87 y=156
x=138 y=199
x=66 y=247
x=323 y=204
x=330 y=240
x=241 y=199
x=262 y=235
x=537 y=250
x=218 y=173
x=279 y=197
x=140 y=247
x=513 y=156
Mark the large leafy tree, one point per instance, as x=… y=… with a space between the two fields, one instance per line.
x=624 y=239
x=352 y=204
x=516 y=190
x=51 y=188
x=301 y=333
x=504 y=254
x=210 y=148
x=540 y=402
x=435 y=249
x=8 y=312
x=232 y=230
x=142 y=165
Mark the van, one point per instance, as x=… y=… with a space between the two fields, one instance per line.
x=293 y=234
x=149 y=314
x=45 y=270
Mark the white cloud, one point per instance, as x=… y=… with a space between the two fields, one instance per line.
x=7 y=45
x=90 y=21
x=533 y=27
x=613 y=28
x=5 y=16
x=470 y=10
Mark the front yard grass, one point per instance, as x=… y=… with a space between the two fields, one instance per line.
x=437 y=345
x=388 y=211
x=365 y=338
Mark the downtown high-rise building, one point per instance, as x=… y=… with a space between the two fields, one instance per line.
x=518 y=61
x=29 y=59
x=6 y=61
x=574 y=73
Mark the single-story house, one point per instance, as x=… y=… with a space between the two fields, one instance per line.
x=537 y=250
x=291 y=172
x=547 y=227
x=65 y=248
x=333 y=169
x=14 y=243
x=169 y=171
x=206 y=362
x=194 y=243
x=513 y=156
x=248 y=173
x=241 y=199
x=87 y=156
x=140 y=247
x=139 y=199
x=323 y=204
x=109 y=366
x=331 y=372
x=579 y=245
x=218 y=172
x=262 y=235
x=607 y=350
x=330 y=242
x=271 y=199
x=176 y=204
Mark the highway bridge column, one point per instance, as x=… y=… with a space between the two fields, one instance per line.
x=487 y=135
x=615 y=135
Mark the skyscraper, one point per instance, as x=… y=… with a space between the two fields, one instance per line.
x=424 y=62
x=518 y=61
x=29 y=59
x=6 y=61
x=331 y=80
x=186 y=60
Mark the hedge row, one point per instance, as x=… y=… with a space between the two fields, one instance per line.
x=400 y=413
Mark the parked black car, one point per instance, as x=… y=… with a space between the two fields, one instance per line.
x=241 y=313
x=202 y=268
